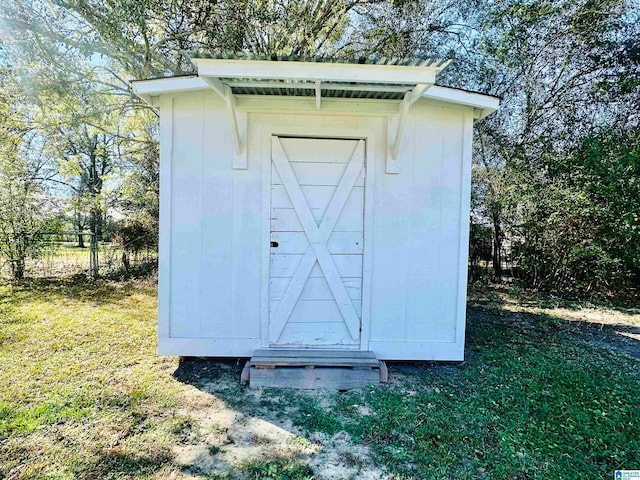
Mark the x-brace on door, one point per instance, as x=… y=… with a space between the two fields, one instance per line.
x=317 y=241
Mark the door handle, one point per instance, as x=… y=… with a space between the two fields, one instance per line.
x=274 y=244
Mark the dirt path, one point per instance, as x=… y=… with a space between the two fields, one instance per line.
x=235 y=426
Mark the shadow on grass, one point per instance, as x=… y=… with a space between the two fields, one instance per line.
x=201 y=372
x=533 y=399
x=98 y=292
x=618 y=337
x=118 y=464
x=219 y=376
x=500 y=294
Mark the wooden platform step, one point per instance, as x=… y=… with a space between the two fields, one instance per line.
x=311 y=369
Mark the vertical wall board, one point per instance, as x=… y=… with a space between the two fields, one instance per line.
x=465 y=207
x=217 y=222
x=451 y=192
x=392 y=225
x=246 y=250
x=186 y=215
x=432 y=287
x=164 y=247
x=375 y=155
x=259 y=152
x=424 y=289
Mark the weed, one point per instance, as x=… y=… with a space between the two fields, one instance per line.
x=278 y=469
x=311 y=417
x=185 y=429
x=298 y=441
x=215 y=427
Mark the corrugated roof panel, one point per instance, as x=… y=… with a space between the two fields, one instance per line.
x=307 y=89
x=289 y=85
x=371 y=60
x=362 y=94
x=308 y=92
x=287 y=92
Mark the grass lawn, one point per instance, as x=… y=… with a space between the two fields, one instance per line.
x=547 y=391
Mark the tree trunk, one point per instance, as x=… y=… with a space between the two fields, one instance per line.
x=94 y=223
x=17 y=269
x=99 y=225
x=125 y=260
x=497 y=250
x=80 y=240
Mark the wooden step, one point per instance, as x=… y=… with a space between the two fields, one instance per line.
x=311 y=369
x=317 y=358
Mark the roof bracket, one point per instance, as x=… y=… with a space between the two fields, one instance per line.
x=237 y=120
x=318 y=94
x=396 y=123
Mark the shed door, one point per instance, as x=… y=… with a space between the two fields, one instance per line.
x=317 y=217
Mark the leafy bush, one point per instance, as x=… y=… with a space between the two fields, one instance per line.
x=133 y=237
x=579 y=233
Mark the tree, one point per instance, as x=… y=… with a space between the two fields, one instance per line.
x=22 y=216
x=79 y=217
x=87 y=159
x=411 y=28
x=138 y=196
x=547 y=60
x=568 y=73
x=598 y=226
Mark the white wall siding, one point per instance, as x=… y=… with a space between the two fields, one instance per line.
x=215 y=230
x=217 y=223
x=435 y=224
x=247 y=250
x=186 y=216
x=391 y=255
x=214 y=214
x=417 y=247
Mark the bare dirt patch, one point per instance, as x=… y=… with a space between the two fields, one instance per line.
x=233 y=426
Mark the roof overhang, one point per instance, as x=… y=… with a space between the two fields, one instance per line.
x=317 y=82
x=423 y=72
x=149 y=90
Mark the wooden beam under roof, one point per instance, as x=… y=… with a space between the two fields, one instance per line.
x=325 y=72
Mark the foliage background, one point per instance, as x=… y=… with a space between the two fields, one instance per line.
x=556 y=170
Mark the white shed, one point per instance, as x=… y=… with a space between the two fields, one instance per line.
x=313 y=205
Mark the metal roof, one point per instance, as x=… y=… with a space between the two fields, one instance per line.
x=308 y=89
x=402 y=83
x=376 y=78
x=371 y=60
x=153 y=87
